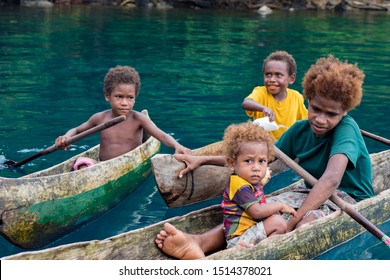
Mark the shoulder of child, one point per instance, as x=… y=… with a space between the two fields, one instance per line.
x=138 y=116
x=100 y=117
x=294 y=93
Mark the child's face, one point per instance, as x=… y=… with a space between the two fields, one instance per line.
x=324 y=115
x=251 y=162
x=276 y=77
x=122 y=99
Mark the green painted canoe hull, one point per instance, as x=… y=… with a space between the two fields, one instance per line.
x=42 y=207
x=304 y=243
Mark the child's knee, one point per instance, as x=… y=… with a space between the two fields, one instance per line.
x=278 y=224
x=282 y=225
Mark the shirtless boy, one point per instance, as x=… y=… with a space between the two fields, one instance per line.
x=121 y=88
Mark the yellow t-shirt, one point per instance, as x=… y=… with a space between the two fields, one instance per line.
x=287 y=112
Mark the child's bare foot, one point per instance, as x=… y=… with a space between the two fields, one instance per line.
x=178 y=244
x=245 y=245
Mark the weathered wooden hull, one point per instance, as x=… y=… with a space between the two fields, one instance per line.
x=205 y=182
x=39 y=208
x=306 y=242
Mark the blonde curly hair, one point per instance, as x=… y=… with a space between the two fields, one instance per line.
x=334 y=80
x=236 y=134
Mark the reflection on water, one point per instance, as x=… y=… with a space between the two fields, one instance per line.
x=195 y=72
x=363 y=247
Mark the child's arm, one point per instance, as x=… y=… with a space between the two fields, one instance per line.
x=165 y=138
x=251 y=105
x=323 y=188
x=193 y=162
x=169 y=141
x=60 y=141
x=261 y=211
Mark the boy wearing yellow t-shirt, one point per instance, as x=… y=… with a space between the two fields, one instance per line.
x=274 y=100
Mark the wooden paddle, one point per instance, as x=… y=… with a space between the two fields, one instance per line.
x=375 y=137
x=68 y=142
x=347 y=208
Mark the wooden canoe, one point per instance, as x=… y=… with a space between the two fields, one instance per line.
x=41 y=207
x=205 y=182
x=305 y=243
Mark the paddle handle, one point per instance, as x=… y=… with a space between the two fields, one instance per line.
x=375 y=137
x=73 y=139
x=94 y=129
x=334 y=198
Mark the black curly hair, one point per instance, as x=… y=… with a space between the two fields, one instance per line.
x=121 y=75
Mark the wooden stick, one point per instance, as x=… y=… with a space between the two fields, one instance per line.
x=69 y=141
x=347 y=208
x=375 y=137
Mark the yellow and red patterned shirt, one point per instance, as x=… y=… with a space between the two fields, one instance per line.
x=239 y=194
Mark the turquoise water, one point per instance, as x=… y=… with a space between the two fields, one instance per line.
x=196 y=68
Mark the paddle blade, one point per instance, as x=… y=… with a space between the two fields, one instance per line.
x=9 y=163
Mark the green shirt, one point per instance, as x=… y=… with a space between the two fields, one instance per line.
x=314 y=152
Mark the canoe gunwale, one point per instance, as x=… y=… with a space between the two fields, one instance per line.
x=25 y=220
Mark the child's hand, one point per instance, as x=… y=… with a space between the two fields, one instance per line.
x=61 y=142
x=288 y=209
x=191 y=162
x=269 y=113
x=183 y=150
